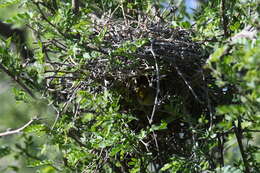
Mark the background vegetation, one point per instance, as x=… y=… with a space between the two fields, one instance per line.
x=86 y=70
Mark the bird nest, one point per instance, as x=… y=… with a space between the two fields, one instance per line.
x=124 y=56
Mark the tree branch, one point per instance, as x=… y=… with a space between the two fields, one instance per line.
x=157 y=82
x=224 y=18
x=11 y=132
x=46 y=19
x=20 y=83
x=238 y=132
x=75 y=6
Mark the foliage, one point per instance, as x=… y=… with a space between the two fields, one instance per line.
x=90 y=64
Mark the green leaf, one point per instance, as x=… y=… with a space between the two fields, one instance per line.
x=36 y=129
x=232 y=109
x=235 y=26
x=217 y=54
x=166 y=167
x=20 y=95
x=185 y=24
x=4 y=151
x=6 y=3
x=37 y=163
x=87 y=117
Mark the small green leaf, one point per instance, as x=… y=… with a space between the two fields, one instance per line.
x=166 y=167
x=37 y=163
x=217 y=54
x=87 y=117
x=37 y=129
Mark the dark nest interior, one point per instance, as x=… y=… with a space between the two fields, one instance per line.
x=140 y=59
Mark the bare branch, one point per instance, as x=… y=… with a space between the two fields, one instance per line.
x=157 y=83
x=19 y=130
x=157 y=92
